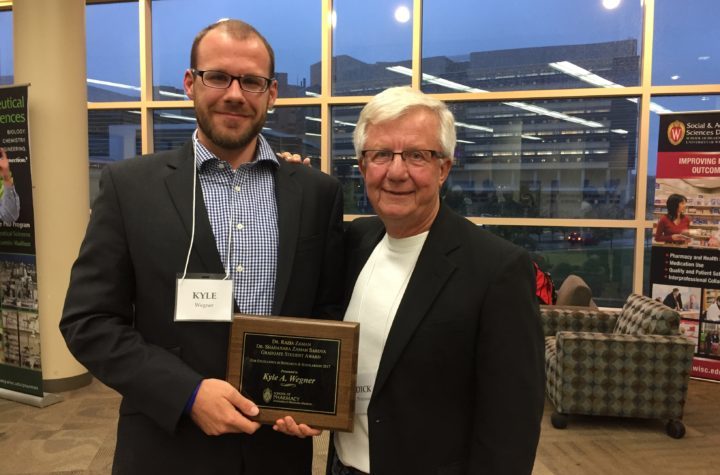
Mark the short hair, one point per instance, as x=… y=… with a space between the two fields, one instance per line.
x=237 y=29
x=396 y=102
x=673 y=202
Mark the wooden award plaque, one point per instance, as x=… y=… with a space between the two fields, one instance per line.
x=299 y=367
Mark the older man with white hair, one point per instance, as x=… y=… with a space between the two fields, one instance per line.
x=450 y=373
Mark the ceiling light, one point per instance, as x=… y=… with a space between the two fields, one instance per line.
x=473 y=126
x=435 y=80
x=583 y=74
x=611 y=4
x=173 y=94
x=462 y=87
x=112 y=84
x=551 y=113
x=402 y=14
x=165 y=115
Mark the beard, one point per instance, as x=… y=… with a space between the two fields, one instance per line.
x=226 y=138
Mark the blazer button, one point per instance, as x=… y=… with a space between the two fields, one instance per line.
x=377 y=421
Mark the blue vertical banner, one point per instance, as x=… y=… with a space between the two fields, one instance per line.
x=685 y=265
x=20 y=367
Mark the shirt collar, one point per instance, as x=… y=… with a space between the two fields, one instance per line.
x=263 y=152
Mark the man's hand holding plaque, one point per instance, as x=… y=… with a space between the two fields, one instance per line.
x=287 y=425
x=220 y=409
x=299 y=372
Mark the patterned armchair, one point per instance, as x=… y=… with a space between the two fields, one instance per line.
x=630 y=363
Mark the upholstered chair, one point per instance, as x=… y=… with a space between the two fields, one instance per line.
x=631 y=363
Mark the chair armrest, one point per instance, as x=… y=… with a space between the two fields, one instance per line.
x=611 y=353
x=556 y=318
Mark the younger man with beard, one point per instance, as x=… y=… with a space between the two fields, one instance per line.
x=222 y=204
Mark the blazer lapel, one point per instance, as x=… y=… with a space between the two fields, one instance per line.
x=289 y=202
x=432 y=270
x=179 y=186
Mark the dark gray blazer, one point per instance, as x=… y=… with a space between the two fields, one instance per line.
x=118 y=315
x=460 y=386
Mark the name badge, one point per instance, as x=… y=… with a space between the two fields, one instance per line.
x=203 y=298
x=363 y=392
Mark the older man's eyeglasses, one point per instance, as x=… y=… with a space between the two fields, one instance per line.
x=413 y=158
x=222 y=80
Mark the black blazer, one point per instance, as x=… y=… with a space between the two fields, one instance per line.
x=460 y=386
x=118 y=315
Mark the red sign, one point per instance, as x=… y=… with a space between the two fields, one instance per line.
x=688 y=164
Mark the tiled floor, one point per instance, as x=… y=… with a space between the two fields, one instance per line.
x=77 y=436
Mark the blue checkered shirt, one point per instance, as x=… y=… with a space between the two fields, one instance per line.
x=243 y=202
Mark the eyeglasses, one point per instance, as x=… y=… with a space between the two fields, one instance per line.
x=221 y=80
x=413 y=158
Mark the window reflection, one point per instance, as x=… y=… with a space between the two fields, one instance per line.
x=296 y=130
x=577 y=44
x=547 y=159
x=294 y=35
x=603 y=257
x=113 y=135
x=6 y=47
x=113 y=67
x=571 y=158
x=686 y=43
x=292 y=129
x=344 y=163
x=368 y=40
x=172 y=128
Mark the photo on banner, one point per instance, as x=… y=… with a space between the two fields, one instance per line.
x=20 y=363
x=685 y=256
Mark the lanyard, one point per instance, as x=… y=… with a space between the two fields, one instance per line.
x=194 y=204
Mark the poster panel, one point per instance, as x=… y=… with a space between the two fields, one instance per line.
x=20 y=368
x=685 y=260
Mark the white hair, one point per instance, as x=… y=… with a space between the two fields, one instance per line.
x=394 y=103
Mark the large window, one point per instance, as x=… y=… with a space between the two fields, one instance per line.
x=291 y=27
x=550 y=44
x=550 y=159
x=172 y=128
x=686 y=47
x=344 y=161
x=113 y=135
x=601 y=256
x=541 y=159
x=557 y=125
x=113 y=66
x=372 y=45
x=295 y=129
